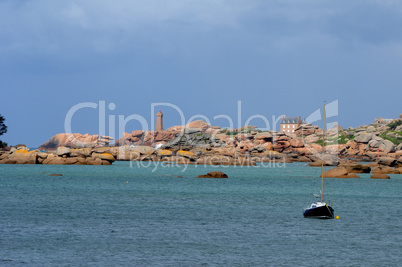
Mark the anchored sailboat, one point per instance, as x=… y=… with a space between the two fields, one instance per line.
x=320 y=209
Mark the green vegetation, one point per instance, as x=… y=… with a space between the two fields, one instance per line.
x=394 y=124
x=245 y=131
x=223 y=130
x=3 y=127
x=3 y=144
x=3 y=130
x=339 y=139
x=343 y=139
x=396 y=138
x=231 y=133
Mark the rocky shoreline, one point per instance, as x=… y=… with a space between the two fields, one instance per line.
x=201 y=143
x=62 y=156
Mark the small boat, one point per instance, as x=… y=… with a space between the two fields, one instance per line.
x=320 y=209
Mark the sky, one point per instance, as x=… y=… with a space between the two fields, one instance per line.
x=206 y=58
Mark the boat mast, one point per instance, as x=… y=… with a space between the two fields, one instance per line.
x=322 y=157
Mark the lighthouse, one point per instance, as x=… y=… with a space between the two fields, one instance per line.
x=159 y=121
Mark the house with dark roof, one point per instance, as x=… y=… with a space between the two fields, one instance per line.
x=382 y=121
x=289 y=124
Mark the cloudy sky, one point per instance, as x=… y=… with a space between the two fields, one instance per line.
x=276 y=57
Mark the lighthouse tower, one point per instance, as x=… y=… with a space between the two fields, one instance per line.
x=159 y=121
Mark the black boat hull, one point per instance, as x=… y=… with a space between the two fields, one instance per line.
x=322 y=212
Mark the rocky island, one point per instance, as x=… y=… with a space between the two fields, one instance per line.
x=200 y=143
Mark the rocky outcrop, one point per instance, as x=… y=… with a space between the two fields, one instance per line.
x=142 y=138
x=339 y=172
x=356 y=168
x=387 y=161
x=75 y=140
x=215 y=174
x=306 y=129
x=363 y=138
x=21 y=156
x=200 y=143
x=379 y=176
x=386 y=170
x=191 y=138
x=63 y=156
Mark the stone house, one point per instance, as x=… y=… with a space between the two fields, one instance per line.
x=290 y=124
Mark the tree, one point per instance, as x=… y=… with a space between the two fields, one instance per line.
x=3 y=130
x=3 y=127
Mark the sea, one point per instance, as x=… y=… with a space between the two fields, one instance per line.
x=154 y=214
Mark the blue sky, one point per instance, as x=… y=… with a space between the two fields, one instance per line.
x=276 y=57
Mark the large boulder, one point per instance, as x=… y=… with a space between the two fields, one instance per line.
x=244 y=146
x=143 y=150
x=62 y=150
x=75 y=140
x=306 y=129
x=71 y=161
x=379 y=176
x=300 y=150
x=334 y=149
x=296 y=142
x=264 y=137
x=176 y=128
x=370 y=129
x=54 y=160
x=274 y=155
x=328 y=161
x=385 y=170
x=351 y=145
x=8 y=161
x=280 y=146
x=268 y=146
x=311 y=139
x=387 y=146
x=257 y=149
x=104 y=156
x=200 y=124
x=137 y=134
x=375 y=143
x=363 y=138
x=191 y=138
x=163 y=153
x=214 y=174
x=398 y=162
x=81 y=152
x=334 y=130
x=335 y=172
x=399 y=147
x=386 y=161
x=314 y=148
x=224 y=151
x=356 y=168
x=23 y=156
x=186 y=154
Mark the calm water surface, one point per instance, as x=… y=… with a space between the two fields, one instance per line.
x=92 y=216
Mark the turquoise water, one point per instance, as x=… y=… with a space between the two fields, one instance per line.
x=92 y=216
